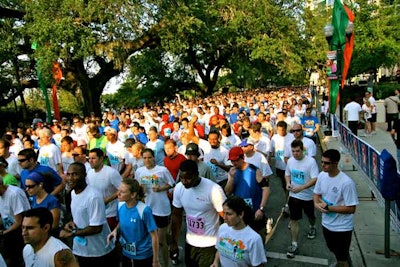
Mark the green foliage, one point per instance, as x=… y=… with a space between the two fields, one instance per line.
x=377 y=39
x=383 y=90
x=67 y=102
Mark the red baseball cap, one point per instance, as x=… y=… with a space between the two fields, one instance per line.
x=235 y=153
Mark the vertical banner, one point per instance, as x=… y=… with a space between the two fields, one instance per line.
x=57 y=75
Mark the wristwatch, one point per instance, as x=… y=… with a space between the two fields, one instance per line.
x=326 y=207
x=262 y=209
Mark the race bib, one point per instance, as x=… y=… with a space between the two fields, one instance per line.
x=195 y=225
x=129 y=248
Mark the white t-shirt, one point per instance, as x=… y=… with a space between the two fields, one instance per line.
x=337 y=191
x=66 y=161
x=201 y=204
x=264 y=144
x=158 y=147
x=353 y=110
x=107 y=182
x=260 y=162
x=44 y=257
x=12 y=202
x=300 y=172
x=371 y=100
x=230 y=141
x=309 y=148
x=13 y=165
x=240 y=248
x=220 y=154
x=278 y=144
x=116 y=154
x=88 y=209
x=157 y=201
x=81 y=134
x=49 y=155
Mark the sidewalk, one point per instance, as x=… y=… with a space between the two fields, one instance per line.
x=368 y=233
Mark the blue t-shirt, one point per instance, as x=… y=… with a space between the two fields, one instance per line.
x=247 y=187
x=135 y=231
x=50 y=202
x=51 y=177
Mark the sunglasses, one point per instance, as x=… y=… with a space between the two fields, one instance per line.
x=327 y=162
x=22 y=160
x=30 y=186
x=297 y=130
x=76 y=155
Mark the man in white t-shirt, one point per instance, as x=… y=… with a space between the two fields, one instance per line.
x=88 y=228
x=49 y=154
x=41 y=248
x=353 y=110
x=202 y=200
x=309 y=147
x=115 y=150
x=278 y=144
x=300 y=175
x=107 y=181
x=336 y=197
x=13 y=204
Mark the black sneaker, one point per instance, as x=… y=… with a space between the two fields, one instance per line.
x=174 y=256
x=291 y=252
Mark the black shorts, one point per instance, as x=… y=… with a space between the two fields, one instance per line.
x=373 y=118
x=296 y=207
x=197 y=257
x=281 y=174
x=338 y=243
x=161 y=221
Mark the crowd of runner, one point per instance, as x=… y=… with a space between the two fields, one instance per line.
x=113 y=184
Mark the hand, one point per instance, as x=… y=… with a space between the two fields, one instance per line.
x=156 y=188
x=214 y=161
x=70 y=226
x=259 y=215
x=321 y=207
x=111 y=237
x=214 y=264
x=65 y=234
x=289 y=187
x=297 y=189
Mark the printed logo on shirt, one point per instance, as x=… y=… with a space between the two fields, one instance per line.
x=231 y=248
x=297 y=177
x=150 y=180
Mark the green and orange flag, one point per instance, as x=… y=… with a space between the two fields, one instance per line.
x=341 y=16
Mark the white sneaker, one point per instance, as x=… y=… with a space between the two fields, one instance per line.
x=363 y=135
x=270 y=221
x=373 y=133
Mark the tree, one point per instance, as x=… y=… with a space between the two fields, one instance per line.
x=377 y=39
x=92 y=39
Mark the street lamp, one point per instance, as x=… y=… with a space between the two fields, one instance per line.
x=329 y=32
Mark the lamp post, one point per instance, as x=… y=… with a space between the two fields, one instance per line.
x=329 y=31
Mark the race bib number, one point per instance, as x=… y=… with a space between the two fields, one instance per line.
x=129 y=248
x=195 y=225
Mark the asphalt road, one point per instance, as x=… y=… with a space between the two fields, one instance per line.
x=311 y=252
